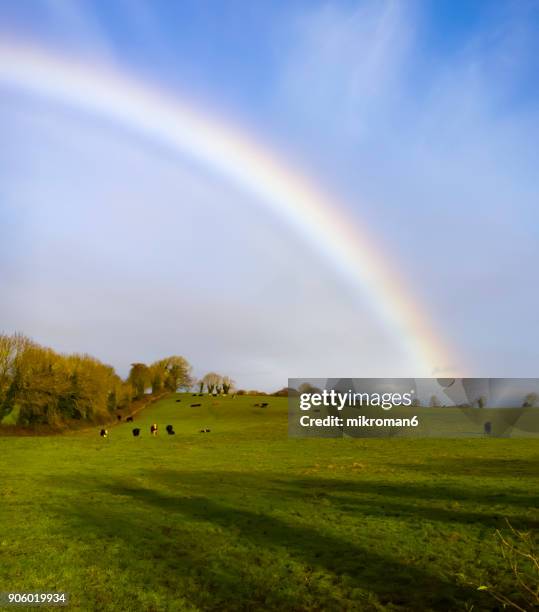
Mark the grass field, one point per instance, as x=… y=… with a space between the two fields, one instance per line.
x=243 y=518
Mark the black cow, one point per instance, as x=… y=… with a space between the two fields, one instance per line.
x=103 y=433
x=178 y=400
x=136 y=432
x=129 y=419
x=195 y=405
x=119 y=417
x=170 y=430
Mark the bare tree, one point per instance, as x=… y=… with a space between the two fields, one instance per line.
x=227 y=384
x=434 y=401
x=211 y=380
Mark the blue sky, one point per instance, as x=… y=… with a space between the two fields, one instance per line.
x=421 y=117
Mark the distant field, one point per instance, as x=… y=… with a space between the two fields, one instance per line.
x=243 y=518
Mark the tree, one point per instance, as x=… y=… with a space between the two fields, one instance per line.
x=227 y=384
x=178 y=373
x=211 y=380
x=156 y=377
x=200 y=384
x=434 y=402
x=171 y=373
x=40 y=386
x=140 y=379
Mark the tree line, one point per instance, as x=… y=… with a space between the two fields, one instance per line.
x=39 y=386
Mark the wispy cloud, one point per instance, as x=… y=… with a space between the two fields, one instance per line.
x=436 y=153
x=344 y=63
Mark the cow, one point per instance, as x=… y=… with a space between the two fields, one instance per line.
x=103 y=433
x=129 y=419
x=153 y=429
x=136 y=432
x=207 y=430
x=195 y=405
x=119 y=417
x=178 y=400
x=170 y=430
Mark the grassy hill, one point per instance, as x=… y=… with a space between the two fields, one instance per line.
x=244 y=518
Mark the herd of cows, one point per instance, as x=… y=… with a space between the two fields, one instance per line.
x=154 y=429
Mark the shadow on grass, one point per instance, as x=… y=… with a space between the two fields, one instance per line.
x=477 y=467
x=426 y=501
x=241 y=559
x=487 y=507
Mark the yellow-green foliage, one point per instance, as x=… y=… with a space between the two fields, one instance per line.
x=41 y=386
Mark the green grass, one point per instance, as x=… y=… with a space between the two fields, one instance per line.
x=244 y=518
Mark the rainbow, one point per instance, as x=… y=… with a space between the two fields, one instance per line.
x=228 y=151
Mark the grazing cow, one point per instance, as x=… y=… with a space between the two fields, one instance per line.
x=136 y=432
x=264 y=404
x=153 y=429
x=201 y=395
x=194 y=394
x=129 y=419
x=170 y=430
x=195 y=405
x=119 y=417
x=103 y=433
x=178 y=400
